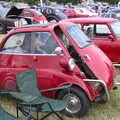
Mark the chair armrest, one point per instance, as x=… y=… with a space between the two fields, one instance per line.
x=57 y=88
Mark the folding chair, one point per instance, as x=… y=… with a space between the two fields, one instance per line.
x=6 y=116
x=32 y=98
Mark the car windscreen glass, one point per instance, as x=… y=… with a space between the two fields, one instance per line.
x=78 y=36
x=38 y=12
x=116 y=28
x=3 y=12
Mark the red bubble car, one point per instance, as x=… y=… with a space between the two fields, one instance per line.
x=62 y=54
x=105 y=33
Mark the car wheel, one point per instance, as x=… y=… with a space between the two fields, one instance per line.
x=54 y=18
x=78 y=103
x=3 y=28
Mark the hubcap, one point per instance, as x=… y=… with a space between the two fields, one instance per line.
x=73 y=103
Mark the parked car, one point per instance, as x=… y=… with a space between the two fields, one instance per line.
x=105 y=33
x=112 y=13
x=62 y=54
x=34 y=15
x=9 y=16
x=6 y=21
x=73 y=13
x=52 y=13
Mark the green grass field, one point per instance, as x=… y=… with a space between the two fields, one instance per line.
x=108 y=111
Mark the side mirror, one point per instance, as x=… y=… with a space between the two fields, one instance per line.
x=68 y=65
x=58 y=51
x=111 y=37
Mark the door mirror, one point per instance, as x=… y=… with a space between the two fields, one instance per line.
x=111 y=37
x=58 y=51
x=68 y=65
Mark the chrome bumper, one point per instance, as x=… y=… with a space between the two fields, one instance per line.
x=102 y=82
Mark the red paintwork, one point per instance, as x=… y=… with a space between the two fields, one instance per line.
x=49 y=71
x=34 y=15
x=71 y=13
x=110 y=47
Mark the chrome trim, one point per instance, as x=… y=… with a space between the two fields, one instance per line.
x=116 y=65
x=30 y=54
x=102 y=82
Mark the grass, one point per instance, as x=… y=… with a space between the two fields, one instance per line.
x=108 y=111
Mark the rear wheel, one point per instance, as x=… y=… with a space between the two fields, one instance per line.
x=2 y=31
x=78 y=103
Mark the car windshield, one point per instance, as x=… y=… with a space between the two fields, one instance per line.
x=78 y=36
x=38 y=12
x=116 y=28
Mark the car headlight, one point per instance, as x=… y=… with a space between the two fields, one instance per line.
x=71 y=64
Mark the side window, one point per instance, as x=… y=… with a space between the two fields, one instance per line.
x=62 y=37
x=89 y=30
x=43 y=43
x=18 y=43
x=102 y=30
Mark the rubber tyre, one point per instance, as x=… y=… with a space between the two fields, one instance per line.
x=53 y=17
x=2 y=29
x=84 y=102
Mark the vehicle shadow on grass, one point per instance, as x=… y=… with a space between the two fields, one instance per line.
x=108 y=111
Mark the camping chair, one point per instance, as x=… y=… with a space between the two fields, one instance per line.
x=6 y=116
x=31 y=96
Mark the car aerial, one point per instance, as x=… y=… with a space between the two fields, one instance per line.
x=61 y=54
x=105 y=33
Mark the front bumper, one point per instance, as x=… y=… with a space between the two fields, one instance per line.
x=105 y=96
x=106 y=91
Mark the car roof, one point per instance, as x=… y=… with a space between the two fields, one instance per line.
x=39 y=27
x=34 y=26
x=92 y=20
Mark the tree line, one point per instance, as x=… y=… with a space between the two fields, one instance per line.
x=64 y=1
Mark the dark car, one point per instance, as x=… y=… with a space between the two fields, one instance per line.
x=53 y=13
x=12 y=17
x=8 y=17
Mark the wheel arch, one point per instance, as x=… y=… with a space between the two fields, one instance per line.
x=84 y=89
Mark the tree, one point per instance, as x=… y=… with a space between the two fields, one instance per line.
x=108 y=1
x=68 y=1
x=27 y=1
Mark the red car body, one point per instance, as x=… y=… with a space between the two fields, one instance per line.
x=72 y=13
x=104 y=33
x=33 y=14
x=92 y=76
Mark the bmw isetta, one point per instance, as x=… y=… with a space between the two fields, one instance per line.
x=67 y=57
